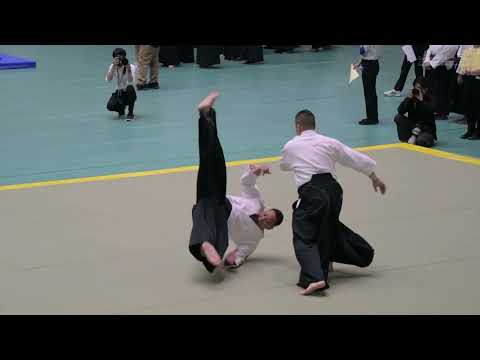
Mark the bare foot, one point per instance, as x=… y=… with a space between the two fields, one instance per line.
x=210 y=253
x=207 y=103
x=313 y=287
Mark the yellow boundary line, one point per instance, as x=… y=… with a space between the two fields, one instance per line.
x=432 y=152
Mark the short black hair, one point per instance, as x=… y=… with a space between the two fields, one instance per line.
x=119 y=52
x=420 y=80
x=306 y=119
x=278 y=216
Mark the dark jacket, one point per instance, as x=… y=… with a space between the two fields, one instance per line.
x=420 y=113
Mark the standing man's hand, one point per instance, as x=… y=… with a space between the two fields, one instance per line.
x=428 y=66
x=378 y=184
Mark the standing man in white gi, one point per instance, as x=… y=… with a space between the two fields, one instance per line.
x=318 y=235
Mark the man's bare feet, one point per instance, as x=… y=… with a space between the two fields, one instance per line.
x=313 y=287
x=207 y=103
x=210 y=253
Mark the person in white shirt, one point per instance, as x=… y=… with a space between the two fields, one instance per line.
x=124 y=95
x=439 y=62
x=419 y=51
x=318 y=235
x=471 y=82
x=217 y=216
x=369 y=55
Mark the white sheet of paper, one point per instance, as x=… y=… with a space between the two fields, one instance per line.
x=353 y=74
x=408 y=50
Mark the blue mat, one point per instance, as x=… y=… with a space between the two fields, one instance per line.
x=13 y=62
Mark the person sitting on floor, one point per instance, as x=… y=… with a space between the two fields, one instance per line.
x=418 y=128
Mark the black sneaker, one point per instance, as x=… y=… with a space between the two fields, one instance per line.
x=468 y=134
x=141 y=87
x=475 y=136
x=368 y=122
x=130 y=117
x=153 y=85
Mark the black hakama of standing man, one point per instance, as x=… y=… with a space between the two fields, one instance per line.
x=212 y=209
x=208 y=56
x=319 y=237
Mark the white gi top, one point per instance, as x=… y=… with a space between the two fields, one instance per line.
x=312 y=153
x=244 y=232
x=438 y=55
x=372 y=52
x=120 y=79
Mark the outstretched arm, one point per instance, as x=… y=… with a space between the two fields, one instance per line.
x=359 y=162
x=248 y=180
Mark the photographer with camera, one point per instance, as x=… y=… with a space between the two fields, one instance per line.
x=418 y=128
x=124 y=94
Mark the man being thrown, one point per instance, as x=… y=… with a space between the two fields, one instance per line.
x=216 y=216
x=318 y=235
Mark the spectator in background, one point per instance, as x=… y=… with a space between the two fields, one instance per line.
x=439 y=61
x=169 y=56
x=252 y=54
x=124 y=95
x=148 y=60
x=208 y=56
x=418 y=128
x=471 y=82
x=369 y=64
x=419 y=51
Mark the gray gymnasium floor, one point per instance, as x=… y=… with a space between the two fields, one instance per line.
x=120 y=247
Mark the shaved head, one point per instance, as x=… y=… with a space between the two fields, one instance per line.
x=305 y=119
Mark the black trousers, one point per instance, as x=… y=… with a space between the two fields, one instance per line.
x=404 y=131
x=318 y=235
x=252 y=54
x=406 y=65
x=121 y=99
x=369 y=79
x=440 y=82
x=212 y=209
x=472 y=102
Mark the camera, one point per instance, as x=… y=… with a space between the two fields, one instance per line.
x=124 y=61
x=415 y=92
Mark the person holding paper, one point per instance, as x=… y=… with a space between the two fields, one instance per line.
x=418 y=128
x=418 y=51
x=319 y=237
x=369 y=55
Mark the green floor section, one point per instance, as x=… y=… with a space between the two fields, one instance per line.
x=55 y=124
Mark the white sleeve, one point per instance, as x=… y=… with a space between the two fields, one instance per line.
x=285 y=161
x=243 y=252
x=110 y=70
x=427 y=56
x=353 y=159
x=248 y=183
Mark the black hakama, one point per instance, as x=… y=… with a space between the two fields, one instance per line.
x=169 y=55
x=252 y=54
x=318 y=235
x=208 y=56
x=212 y=209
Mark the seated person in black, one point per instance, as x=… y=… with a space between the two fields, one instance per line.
x=418 y=128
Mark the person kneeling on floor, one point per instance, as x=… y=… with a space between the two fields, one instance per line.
x=124 y=94
x=418 y=128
